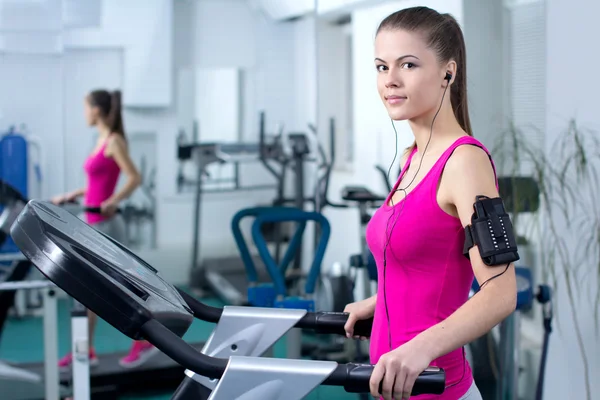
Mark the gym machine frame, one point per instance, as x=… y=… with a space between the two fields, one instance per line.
x=204 y=154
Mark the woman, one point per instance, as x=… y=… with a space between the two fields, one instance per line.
x=103 y=167
x=422 y=311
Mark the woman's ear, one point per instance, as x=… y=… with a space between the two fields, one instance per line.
x=450 y=73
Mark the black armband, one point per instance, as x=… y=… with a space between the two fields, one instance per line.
x=492 y=232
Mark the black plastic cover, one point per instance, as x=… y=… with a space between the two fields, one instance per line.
x=9 y=194
x=97 y=271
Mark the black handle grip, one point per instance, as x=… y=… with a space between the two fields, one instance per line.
x=333 y=323
x=355 y=379
x=363 y=327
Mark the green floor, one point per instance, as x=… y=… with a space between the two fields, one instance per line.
x=22 y=341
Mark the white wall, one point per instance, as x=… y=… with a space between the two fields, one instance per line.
x=38 y=105
x=80 y=76
x=144 y=31
x=571 y=29
x=277 y=68
x=483 y=32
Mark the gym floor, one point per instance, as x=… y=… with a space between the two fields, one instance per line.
x=22 y=341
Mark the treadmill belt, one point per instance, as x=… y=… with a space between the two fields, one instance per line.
x=157 y=374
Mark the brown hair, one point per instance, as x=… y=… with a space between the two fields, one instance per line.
x=110 y=108
x=442 y=34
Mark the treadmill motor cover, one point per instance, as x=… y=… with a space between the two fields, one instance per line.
x=97 y=271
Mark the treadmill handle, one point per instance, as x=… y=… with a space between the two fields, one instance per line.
x=355 y=379
x=320 y=322
x=200 y=310
x=98 y=210
x=333 y=323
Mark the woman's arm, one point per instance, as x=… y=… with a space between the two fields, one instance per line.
x=117 y=149
x=69 y=196
x=76 y=193
x=469 y=173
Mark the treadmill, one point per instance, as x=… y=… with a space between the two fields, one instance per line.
x=17 y=382
x=27 y=380
x=133 y=297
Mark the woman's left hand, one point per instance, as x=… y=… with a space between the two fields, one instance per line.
x=399 y=369
x=108 y=208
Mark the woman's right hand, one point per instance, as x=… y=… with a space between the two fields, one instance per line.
x=58 y=200
x=359 y=310
x=64 y=198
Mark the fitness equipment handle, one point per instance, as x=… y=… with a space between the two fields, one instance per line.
x=333 y=323
x=353 y=377
x=91 y=210
x=98 y=210
x=321 y=322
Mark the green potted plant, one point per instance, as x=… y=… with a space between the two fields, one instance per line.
x=554 y=199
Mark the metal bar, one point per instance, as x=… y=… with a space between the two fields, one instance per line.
x=51 y=374
x=24 y=285
x=293 y=341
x=243 y=188
x=299 y=202
x=81 y=353
x=12 y=257
x=197 y=217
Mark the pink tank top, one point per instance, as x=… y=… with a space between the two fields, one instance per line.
x=102 y=176
x=426 y=275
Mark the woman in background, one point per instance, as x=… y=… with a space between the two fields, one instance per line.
x=103 y=167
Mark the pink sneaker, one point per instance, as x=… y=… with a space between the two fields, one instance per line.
x=66 y=362
x=141 y=351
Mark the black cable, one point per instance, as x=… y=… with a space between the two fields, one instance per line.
x=494 y=277
x=389 y=235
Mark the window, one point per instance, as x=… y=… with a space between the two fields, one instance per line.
x=525 y=72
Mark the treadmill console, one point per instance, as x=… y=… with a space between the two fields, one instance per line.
x=97 y=271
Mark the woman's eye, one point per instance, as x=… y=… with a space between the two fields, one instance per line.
x=408 y=65
x=381 y=68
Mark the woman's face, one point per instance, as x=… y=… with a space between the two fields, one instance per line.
x=409 y=76
x=91 y=112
